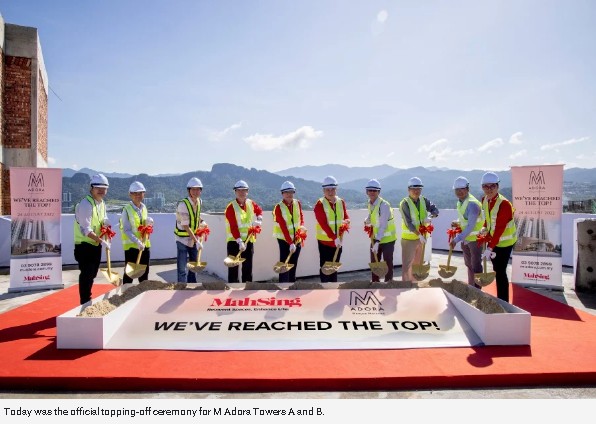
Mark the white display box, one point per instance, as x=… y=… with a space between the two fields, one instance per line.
x=510 y=328
x=74 y=332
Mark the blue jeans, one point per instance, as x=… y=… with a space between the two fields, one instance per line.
x=186 y=254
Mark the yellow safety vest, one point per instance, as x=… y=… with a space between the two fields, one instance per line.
x=97 y=217
x=334 y=218
x=135 y=222
x=509 y=236
x=461 y=209
x=244 y=219
x=390 y=231
x=195 y=218
x=292 y=219
x=417 y=216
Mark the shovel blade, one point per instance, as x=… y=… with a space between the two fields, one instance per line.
x=196 y=266
x=484 y=278
x=420 y=272
x=112 y=276
x=282 y=267
x=447 y=271
x=379 y=268
x=134 y=270
x=232 y=261
x=329 y=268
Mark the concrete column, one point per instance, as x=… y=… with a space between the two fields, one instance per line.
x=585 y=270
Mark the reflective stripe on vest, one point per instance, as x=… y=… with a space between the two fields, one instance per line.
x=195 y=218
x=416 y=216
x=97 y=217
x=135 y=221
x=461 y=209
x=334 y=218
x=244 y=219
x=292 y=219
x=390 y=231
x=509 y=237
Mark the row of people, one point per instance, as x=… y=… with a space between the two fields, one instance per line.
x=244 y=219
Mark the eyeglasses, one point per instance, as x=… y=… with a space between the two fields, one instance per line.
x=371 y=190
x=489 y=186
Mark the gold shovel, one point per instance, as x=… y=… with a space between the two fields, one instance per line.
x=378 y=268
x=197 y=266
x=281 y=267
x=420 y=271
x=447 y=271
x=112 y=277
x=484 y=278
x=329 y=268
x=135 y=270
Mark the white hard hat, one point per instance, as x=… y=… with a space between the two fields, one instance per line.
x=373 y=185
x=287 y=186
x=136 y=187
x=461 y=182
x=241 y=184
x=329 y=181
x=194 y=182
x=490 y=178
x=415 y=182
x=99 y=180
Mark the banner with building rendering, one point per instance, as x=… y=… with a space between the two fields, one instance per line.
x=35 y=202
x=538 y=203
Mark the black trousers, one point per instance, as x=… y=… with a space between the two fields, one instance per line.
x=326 y=254
x=88 y=258
x=500 y=262
x=233 y=249
x=385 y=253
x=131 y=255
x=284 y=251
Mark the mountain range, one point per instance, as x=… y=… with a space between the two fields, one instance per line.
x=264 y=186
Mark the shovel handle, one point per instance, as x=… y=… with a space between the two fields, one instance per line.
x=288 y=258
x=200 y=250
x=449 y=255
x=140 y=251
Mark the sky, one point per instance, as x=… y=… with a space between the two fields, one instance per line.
x=176 y=86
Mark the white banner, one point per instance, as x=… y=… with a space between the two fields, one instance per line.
x=538 y=202
x=292 y=320
x=36 y=248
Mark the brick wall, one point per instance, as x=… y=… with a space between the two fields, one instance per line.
x=42 y=120
x=1 y=97
x=16 y=102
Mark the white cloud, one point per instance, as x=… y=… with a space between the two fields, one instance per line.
x=299 y=139
x=382 y=16
x=497 y=142
x=516 y=155
x=216 y=136
x=75 y=166
x=555 y=146
x=516 y=138
x=433 y=145
x=51 y=160
x=448 y=154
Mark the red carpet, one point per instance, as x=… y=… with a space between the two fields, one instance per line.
x=562 y=353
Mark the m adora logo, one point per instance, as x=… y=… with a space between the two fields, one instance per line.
x=35 y=182
x=536 y=181
x=248 y=302
x=367 y=303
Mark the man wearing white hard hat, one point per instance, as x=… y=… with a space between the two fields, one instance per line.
x=188 y=220
x=415 y=210
x=241 y=214
x=288 y=223
x=471 y=220
x=498 y=216
x=132 y=220
x=90 y=215
x=330 y=213
x=384 y=233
